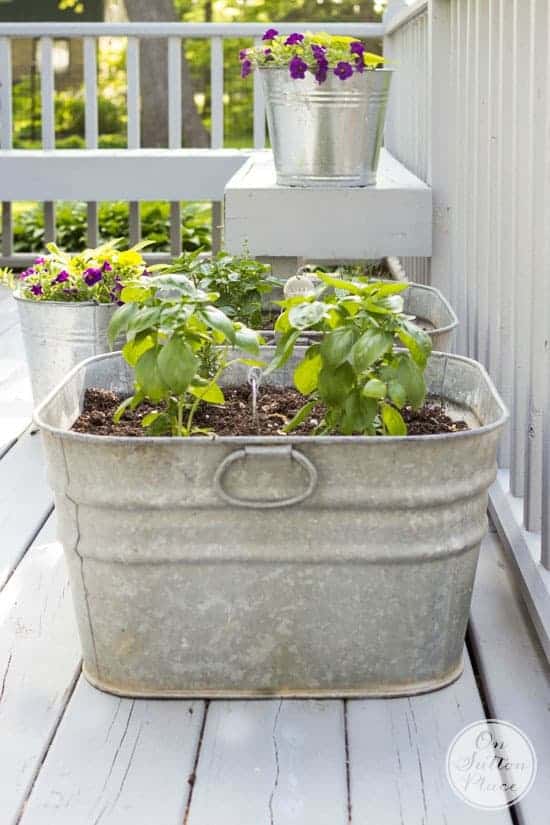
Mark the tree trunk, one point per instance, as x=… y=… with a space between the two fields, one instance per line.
x=154 y=81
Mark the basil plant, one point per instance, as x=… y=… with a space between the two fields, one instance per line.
x=178 y=344
x=368 y=363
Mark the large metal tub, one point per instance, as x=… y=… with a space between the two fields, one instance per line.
x=292 y=566
x=431 y=310
x=326 y=134
x=58 y=335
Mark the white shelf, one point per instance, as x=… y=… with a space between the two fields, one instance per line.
x=393 y=218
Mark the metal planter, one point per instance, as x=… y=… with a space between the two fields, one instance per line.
x=328 y=134
x=58 y=335
x=262 y=566
x=430 y=308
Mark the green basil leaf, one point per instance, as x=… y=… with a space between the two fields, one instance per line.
x=306 y=315
x=371 y=346
x=397 y=393
x=417 y=342
x=393 y=421
x=120 y=320
x=148 y=375
x=247 y=340
x=306 y=374
x=217 y=320
x=301 y=416
x=177 y=365
x=334 y=385
x=375 y=389
x=337 y=345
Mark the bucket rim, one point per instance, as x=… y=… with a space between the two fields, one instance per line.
x=71 y=304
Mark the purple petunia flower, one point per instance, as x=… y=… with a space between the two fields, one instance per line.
x=243 y=54
x=359 y=65
x=36 y=289
x=246 y=68
x=322 y=70
x=294 y=39
x=343 y=70
x=270 y=34
x=117 y=286
x=318 y=52
x=107 y=267
x=298 y=68
x=61 y=277
x=92 y=276
x=26 y=273
x=40 y=260
x=357 y=48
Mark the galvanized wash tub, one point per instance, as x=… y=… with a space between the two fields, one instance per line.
x=58 y=335
x=326 y=134
x=262 y=566
x=430 y=308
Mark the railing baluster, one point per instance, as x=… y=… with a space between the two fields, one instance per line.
x=91 y=124
x=259 y=111
x=48 y=122
x=134 y=131
x=174 y=131
x=6 y=135
x=216 y=131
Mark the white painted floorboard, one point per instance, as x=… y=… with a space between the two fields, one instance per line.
x=117 y=762
x=25 y=500
x=39 y=662
x=398 y=751
x=272 y=761
x=514 y=670
x=15 y=389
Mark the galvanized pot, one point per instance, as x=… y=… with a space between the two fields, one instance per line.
x=281 y=565
x=58 y=335
x=326 y=134
x=430 y=308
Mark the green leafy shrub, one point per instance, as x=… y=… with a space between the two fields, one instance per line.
x=357 y=372
x=71 y=219
x=239 y=281
x=178 y=344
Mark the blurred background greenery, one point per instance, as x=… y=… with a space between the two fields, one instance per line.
x=69 y=96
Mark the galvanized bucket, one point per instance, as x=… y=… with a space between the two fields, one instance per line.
x=328 y=134
x=431 y=310
x=57 y=335
x=272 y=566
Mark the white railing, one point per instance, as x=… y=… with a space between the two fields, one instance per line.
x=482 y=68
x=174 y=34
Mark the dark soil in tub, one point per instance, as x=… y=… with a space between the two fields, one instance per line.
x=276 y=407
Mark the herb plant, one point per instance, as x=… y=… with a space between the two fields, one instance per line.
x=239 y=281
x=95 y=275
x=356 y=372
x=178 y=344
x=318 y=54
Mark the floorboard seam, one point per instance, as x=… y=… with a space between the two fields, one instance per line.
x=348 y=766
x=28 y=545
x=193 y=777
x=72 y=688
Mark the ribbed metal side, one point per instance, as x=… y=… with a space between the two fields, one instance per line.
x=58 y=335
x=326 y=134
x=362 y=588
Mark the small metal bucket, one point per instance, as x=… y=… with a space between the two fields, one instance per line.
x=328 y=134
x=272 y=565
x=57 y=335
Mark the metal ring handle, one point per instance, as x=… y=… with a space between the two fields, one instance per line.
x=262 y=452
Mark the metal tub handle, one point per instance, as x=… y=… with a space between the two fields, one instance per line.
x=263 y=452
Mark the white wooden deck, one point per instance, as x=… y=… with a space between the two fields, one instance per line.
x=71 y=755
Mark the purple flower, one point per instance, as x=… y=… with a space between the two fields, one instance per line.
x=294 y=39
x=107 y=267
x=26 y=273
x=357 y=48
x=359 y=65
x=117 y=286
x=243 y=54
x=270 y=34
x=343 y=70
x=92 y=276
x=61 y=278
x=40 y=260
x=322 y=70
x=318 y=52
x=298 y=68
x=36 y=289
x=246 y=68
